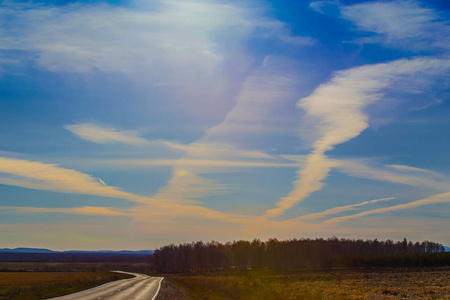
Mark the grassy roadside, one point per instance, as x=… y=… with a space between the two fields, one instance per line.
x=43 y=285
x=415 y=283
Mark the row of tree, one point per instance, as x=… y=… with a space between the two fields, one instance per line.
x=275 y=254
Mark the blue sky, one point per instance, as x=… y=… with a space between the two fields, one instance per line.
x=133 y=124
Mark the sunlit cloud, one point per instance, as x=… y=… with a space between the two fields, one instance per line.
x=182 y=46
x=405 y=23
x=309 y=180
x=173 y=35
x=403 y=168
x=404 y=175
x=335 y=114
x=102 y=182
x=262 y=93
x=84 y=210
x=37 y=175
x=185 y=186
x=102 y=37
x=439 y=198
x=203 y=149
x=203 y=164
x=339 y=209
x=50 y=177
x=141 y=74
x=105 y=135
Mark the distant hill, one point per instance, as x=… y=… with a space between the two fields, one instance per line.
x=27 y=250
x=128 y=252
x=40 y=250
x=447 y=249
x=47 y=255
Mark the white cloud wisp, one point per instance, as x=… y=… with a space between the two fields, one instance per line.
x=435 y=199
x=335 y=113
x=103 y=135
x=339 y=209
x=405 y=24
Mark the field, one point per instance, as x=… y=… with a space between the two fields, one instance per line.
x=41 y=285
x=413 y=283
x=72 y=266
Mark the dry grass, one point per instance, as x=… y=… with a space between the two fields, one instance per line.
x=40 y=285
x=20 y=279
x=417 y=283
x=72 y=266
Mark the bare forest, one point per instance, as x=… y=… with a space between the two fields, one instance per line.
x=294 y=254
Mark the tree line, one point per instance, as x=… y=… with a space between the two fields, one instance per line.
x=278 y=254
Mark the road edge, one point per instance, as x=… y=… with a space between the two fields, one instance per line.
x=159 y=287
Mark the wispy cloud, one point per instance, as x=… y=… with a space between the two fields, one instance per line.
x=175 y=43
x=339 y=209
x=216 y=150
x=405 y=23
x=403 y=168
x=173 y=35
x=83 y=210
x=179 y=55
x=335 y=113
x=103 y=39
x=187 y=187
x=50 y=177
x=105 y=135
x=439 y=198
x=172 y=203
x=202 y=164
x=321 y=6
x=223 y=145
x=265 y=92
x=195 y=51
x=404 y=175
x=102 y=182
x=37 y=175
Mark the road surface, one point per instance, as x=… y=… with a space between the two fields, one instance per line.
x=140 y=287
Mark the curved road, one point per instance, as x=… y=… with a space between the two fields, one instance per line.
x=140 y=287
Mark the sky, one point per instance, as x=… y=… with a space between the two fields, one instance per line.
x=134 y=124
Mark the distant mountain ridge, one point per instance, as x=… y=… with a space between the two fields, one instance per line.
x=42 y=250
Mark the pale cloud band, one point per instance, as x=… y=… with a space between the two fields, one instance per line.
x=340 y=209
x=400 y=24
x=336 y=113
x=404 y=174
x=82 y=210
x=435 y=199
x=37 y=175
x=186 y=44
x=202 y=163
x=51 y=177
x=163 y=205
x=104 y=135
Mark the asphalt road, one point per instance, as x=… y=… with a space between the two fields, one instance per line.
x=140 y=287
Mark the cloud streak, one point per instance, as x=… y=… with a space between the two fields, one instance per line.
x=202 y=164
x=405 y=24
x=439 y=198
x=340 y=209
x=51 y=177
x=37 y=175
x=106 y=135
x=223 y=144
x=168 y=43
x=83 y=210
x=335 y=113
x=404 y=175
